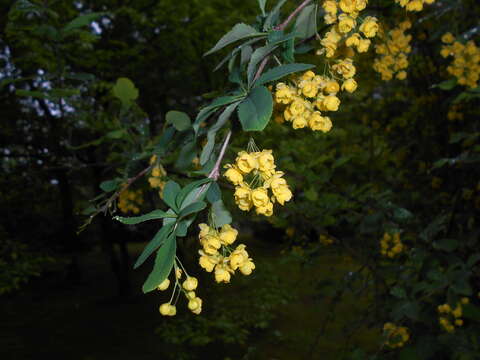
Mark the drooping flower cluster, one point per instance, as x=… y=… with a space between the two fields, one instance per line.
x=130 y=201
x=188 y=288
x=414 y=5
x=217 y=254
x=303 y=100
x=343 y=15
x=253 y=175
x=396 y=336
x=393 y=53
x=449 y=318
x=325 y=240
x=391 y=245
x=466 y=60
x=157 y=178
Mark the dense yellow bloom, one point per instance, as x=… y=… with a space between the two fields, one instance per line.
x=414 y=5
x=390 y=245
x=130 y=201
x=346 y=23
x=466 y=60
x=396 y=336
x=393 y=60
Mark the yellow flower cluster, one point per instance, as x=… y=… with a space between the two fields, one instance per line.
x=396 y=336
x=325 y=240
x=390 y=245
x=393 y=52
x=343 y=16
x=188 y=288
x=253 y=174
x=454 y=113
x=157 y=178
x=414 y=5
x=466 y=63
x=130 y=201
x=449 y=318
x=303 y=100
x=218 y=256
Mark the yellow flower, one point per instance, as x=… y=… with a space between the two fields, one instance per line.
x=266 y=210
x=228 y=234
x=211 y=244
x=299 y=122
x=266 y=161
x=369 y=27
x=297 y=107
x=349 y=85
x=448 y=38
x=363 y=45
x=346 y=23
x=331 y=103
x=195 y=304
x=348 y=6
x=330 y=6
x=238 y=257
x=318 y=122
x=345 y=68
x=309 y=89
x=234 y=175
x=222 y=274
x=331 y=87
x=260 y=197
x=168 y=309
x=353 y=40
x=207 y=262
x=164 y=285
x=190 y=283
x=401 y=75
x=282 y=194
x=246 y=162
x=247 y=267
x=243 y=197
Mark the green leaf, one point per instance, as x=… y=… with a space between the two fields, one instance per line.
x=256 y=109
x=398 y=292
x=153 y=215
x=164 y=142
x=37 y=94
x=110 y=185
x=220 y=214
x=125 y=90
x=214 y=105
x=182 y=195
x=235 y=52
x=261 y=4
x=471 y=311
x=187 y=154
x=447 y=84
x=182 y=227
x=238 y=32
x=306 y=24
x=273 y=15
x=154 y=244
x=81 y=21
x=222 y=119
x=163 y=264
x=192 y=208
x=178 y=119
x=170 y=192
x=281 y=71
x=214 y=193
x=447 y=245
x=256 y=57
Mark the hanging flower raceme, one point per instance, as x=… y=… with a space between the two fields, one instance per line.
x=157 y=176
x=396 y=336
x=393 y=53
x=304 y=99
x=391 y=245
x=218 y=255
x=414 y=5
x=130 y=201
x=450 y=318
x=257 y=182
x=187 y=287
x=466 y=60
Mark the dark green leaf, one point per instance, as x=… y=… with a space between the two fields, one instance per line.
x=281 y=71
x=163 y=264
x=178 y=119
x=207 y=111
x=82 y=20
x=306 y=24
x=37 y=94
x=192 y=208
x=220 y=214
x=222 y=119
x=182 y=227
x=154 y=244
x=214 y=193
x=164 y=142
x=182 y=195
x=110 y=185
x=261 y=4
x=170 y=192
x=447 y=245
x=447 y=84
x=256 y=109
x=273 y=15
x=238 y=32
x=153 y=215
x=186 y=156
